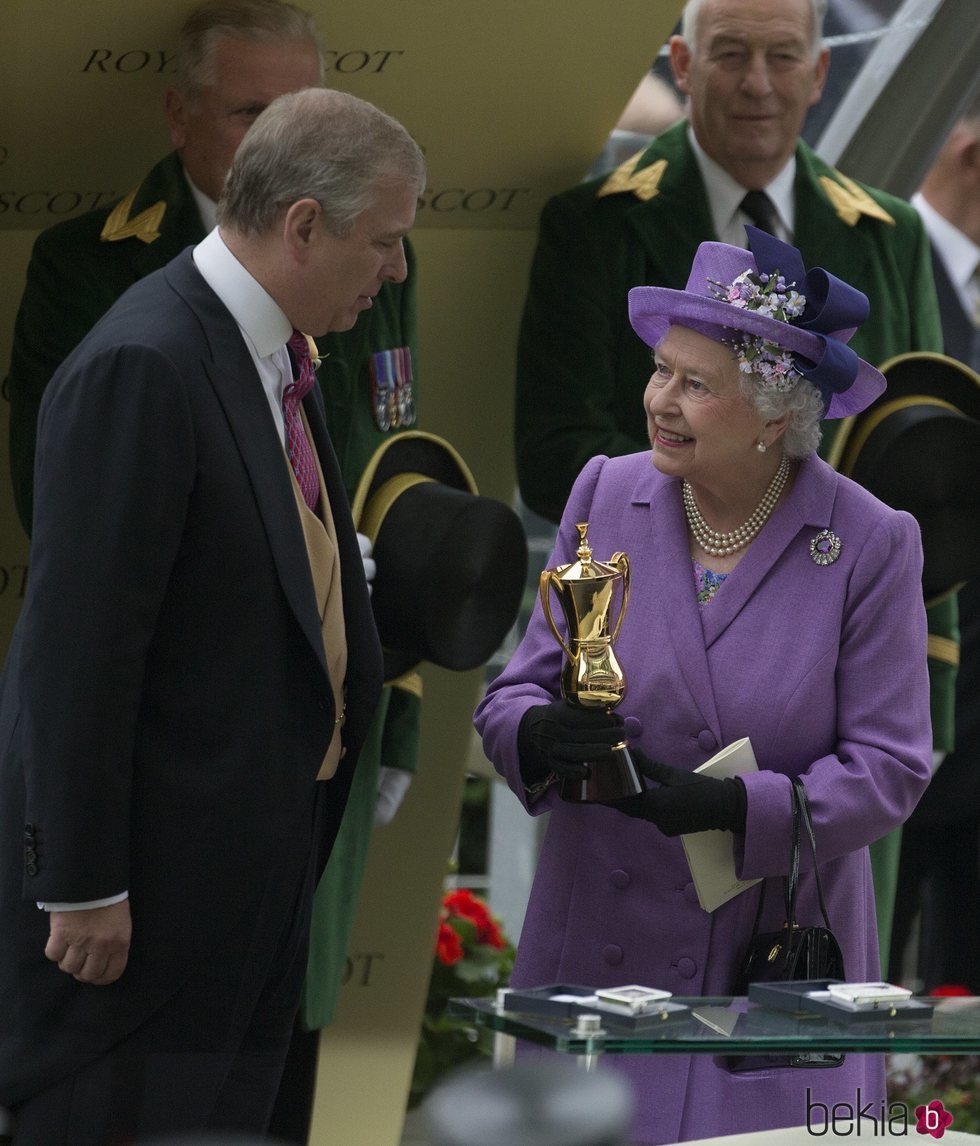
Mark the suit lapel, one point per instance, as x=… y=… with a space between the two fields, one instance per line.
x=232 y=375
x=670 y=559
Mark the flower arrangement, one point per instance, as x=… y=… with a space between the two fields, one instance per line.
x=770 y=295
x=473 y=958
x=952 y=1079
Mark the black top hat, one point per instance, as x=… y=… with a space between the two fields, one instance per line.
x=917 y=448
x=451 y=565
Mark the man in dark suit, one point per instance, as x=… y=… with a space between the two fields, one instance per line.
x=232 y=58
x=750 y=70
x=939 y=875
x=196 y=666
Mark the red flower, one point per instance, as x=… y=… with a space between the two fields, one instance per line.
x=465 y=904
x=449 y=949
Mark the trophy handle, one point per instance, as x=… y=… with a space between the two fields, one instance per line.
x=622 y=562
x=544 y=586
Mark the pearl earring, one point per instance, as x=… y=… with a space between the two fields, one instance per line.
x=761 y=447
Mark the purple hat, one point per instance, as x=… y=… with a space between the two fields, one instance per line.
x=782 y=321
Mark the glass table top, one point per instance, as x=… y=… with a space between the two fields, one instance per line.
x=725 y=1025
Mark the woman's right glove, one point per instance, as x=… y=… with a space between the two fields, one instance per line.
x=554 y=741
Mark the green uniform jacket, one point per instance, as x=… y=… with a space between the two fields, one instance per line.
x=581 y=369
x=73 y=278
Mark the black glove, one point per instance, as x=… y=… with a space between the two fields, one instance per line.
x=558 y=738
x=685 y=801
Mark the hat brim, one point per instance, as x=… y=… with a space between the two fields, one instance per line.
x=451 y=564
x=917 y=450
x=654 y=310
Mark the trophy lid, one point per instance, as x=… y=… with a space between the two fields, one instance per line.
x=586 y=568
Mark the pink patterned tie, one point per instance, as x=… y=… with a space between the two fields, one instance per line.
x=297 y=444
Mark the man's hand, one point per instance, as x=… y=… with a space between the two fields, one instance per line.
x=93 y=945
x=393 y=783
x=370 y=568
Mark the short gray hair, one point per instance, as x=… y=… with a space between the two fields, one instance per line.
x=803 y=406
x=216 y=20
x=692 y=13
x=317 y=144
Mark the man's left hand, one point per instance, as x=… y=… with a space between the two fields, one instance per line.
x=685 y=801
x=370 y=568
x=392 y=785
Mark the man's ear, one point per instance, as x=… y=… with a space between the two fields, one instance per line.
x=821 y=68
x=299 y=225
x=175 y=110
x=680 y=61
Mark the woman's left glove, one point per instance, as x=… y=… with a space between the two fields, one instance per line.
x=685 y=801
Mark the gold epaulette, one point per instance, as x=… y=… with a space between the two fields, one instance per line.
x=644 y=184
x=942 y=649
x=851 y=201
x=145 y=227
x=409 y=681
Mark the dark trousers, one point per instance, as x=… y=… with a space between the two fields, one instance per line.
x=209 y=1060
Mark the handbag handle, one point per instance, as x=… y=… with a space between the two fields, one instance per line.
x=801 y=823
x=802 y=820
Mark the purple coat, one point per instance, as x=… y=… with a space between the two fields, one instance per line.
x=824 y=668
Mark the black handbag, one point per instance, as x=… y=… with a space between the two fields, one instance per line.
x=793 y=952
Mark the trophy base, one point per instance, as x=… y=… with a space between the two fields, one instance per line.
x=613 y=779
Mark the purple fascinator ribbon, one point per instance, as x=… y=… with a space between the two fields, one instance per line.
x=834 y=310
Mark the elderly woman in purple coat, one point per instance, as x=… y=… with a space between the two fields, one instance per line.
x=771 y=598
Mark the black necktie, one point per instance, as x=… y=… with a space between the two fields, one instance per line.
x=759 y=208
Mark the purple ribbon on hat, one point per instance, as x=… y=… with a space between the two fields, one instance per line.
x=834 y=310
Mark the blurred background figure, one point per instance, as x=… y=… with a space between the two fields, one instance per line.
x=939 y=876
x=534 y=1104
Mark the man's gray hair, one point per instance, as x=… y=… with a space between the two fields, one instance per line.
x=803 y=406
x=692 y=12
x=259 y=20
x=317 y=144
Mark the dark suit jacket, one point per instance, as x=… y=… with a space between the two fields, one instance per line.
x=165 y=705
x=961 y=339
x=73 y=278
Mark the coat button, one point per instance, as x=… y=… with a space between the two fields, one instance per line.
x=706 y=740
x=613 y=954
x=31 y=869
x=30 y=855
x=620 y=879
x=633 y=727
x=686 y=968
x=29 y=830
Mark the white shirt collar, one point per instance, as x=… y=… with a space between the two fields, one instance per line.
x=725 y=193
x=263 y=324
x=259 y=316
x=959 y=253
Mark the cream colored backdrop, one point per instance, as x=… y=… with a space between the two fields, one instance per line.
x=511 y=101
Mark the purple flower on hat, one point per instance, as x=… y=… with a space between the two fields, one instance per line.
x=832 y=310
x=782 y=321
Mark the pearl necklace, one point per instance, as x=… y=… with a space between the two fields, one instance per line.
x=722 y=544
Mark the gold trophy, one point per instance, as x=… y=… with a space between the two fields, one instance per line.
x=591 y=677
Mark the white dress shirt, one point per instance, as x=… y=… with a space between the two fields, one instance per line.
x=725 y=194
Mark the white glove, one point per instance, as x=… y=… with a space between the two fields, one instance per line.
x=392 y=785
x=370 y=568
